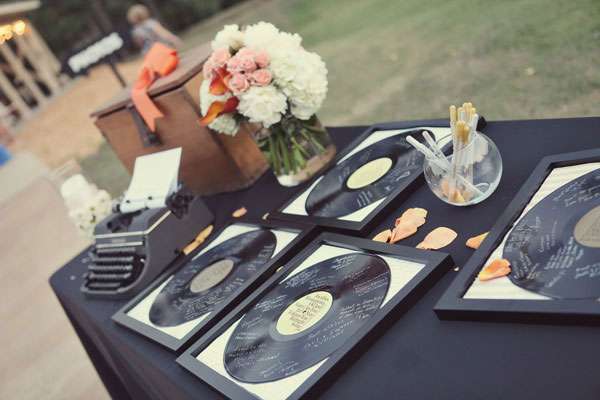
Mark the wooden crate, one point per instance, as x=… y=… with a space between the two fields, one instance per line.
x=211 y=162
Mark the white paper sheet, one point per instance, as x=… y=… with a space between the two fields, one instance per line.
x=155 y=178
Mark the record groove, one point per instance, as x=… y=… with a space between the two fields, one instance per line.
x=554 y=249
x=206 y=281
x=305 y=318
x=340 y=192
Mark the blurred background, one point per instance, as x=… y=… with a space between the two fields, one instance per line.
x=396 y=60
x=387 y=60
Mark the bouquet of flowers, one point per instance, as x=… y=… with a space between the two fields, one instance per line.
x=87 y=204
x=264 y=76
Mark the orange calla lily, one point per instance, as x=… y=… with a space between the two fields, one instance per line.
x=217 y=108
x=218 y=85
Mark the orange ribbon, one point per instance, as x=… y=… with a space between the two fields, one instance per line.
x=160 y=60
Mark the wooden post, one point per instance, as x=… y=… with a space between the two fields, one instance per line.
x=36 y=41
x=22 y=73
x=45 y=71
x=14 y=96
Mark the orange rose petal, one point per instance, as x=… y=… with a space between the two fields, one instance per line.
x=240 y=212
x=445 y=188
x=415 y=216
x=467 y=195
x=475 y=241
x=204 y=233
x=496 y=269
x=383 y=236
x=457 y=197
x=438 y=238
x=402 y=231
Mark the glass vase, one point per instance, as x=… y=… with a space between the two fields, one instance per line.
x=296 y=149
x=473 y=183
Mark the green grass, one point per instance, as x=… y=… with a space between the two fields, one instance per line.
x=411 y=59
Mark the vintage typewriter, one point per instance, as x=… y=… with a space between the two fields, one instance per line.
x=137 y=242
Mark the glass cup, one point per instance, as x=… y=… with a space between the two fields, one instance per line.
x=474 y=182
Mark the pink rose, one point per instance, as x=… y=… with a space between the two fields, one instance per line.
x=238 y=83
x=261 y=77
x=233 y=65
x=247 y=63
x=220 y=57
x=245 y=52
x=262 y=59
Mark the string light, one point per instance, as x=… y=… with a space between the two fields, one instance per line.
x=19 y=27
x=9 y=30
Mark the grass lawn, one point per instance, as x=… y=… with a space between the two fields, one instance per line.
x=410 y=59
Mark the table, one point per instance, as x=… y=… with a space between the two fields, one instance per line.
x=419 y=356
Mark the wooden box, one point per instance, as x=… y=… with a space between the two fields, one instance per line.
x=211 y=162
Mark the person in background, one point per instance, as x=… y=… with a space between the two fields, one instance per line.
x=147 y=31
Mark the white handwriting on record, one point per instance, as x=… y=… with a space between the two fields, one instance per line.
x=402 y=272
x=141 y=311
x=503 y=288
x=297 y=206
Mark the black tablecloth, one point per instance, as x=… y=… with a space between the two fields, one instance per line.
x=419 y=356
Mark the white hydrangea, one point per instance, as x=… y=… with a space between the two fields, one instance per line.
x=224 y=123
x=263 y=104
x=303 y=78
x=260 y=35
x=229 y=37
x=299 y=78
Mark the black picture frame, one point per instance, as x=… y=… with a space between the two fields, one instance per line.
x=452 y=305
x=304 y=234
x=374 y=217
x=435 y=264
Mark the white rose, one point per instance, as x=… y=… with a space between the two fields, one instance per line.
x=229 y=37
x=263 y=104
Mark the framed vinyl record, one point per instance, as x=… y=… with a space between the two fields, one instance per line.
x=367 y=177
x=187 y=299
x=550 y=237
x=311 y=317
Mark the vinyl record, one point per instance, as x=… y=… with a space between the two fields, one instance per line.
x=211 y=278
x=369 y=175
x=307 y=317
x=554 y=249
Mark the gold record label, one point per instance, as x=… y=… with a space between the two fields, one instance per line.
x=587 y=229
x=304 y=313
x=369 y=173
x=211 y=276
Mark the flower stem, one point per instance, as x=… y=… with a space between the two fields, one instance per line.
x=274 y=157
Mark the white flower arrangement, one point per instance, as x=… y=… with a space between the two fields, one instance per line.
x=260 y=74
x=87 y=205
